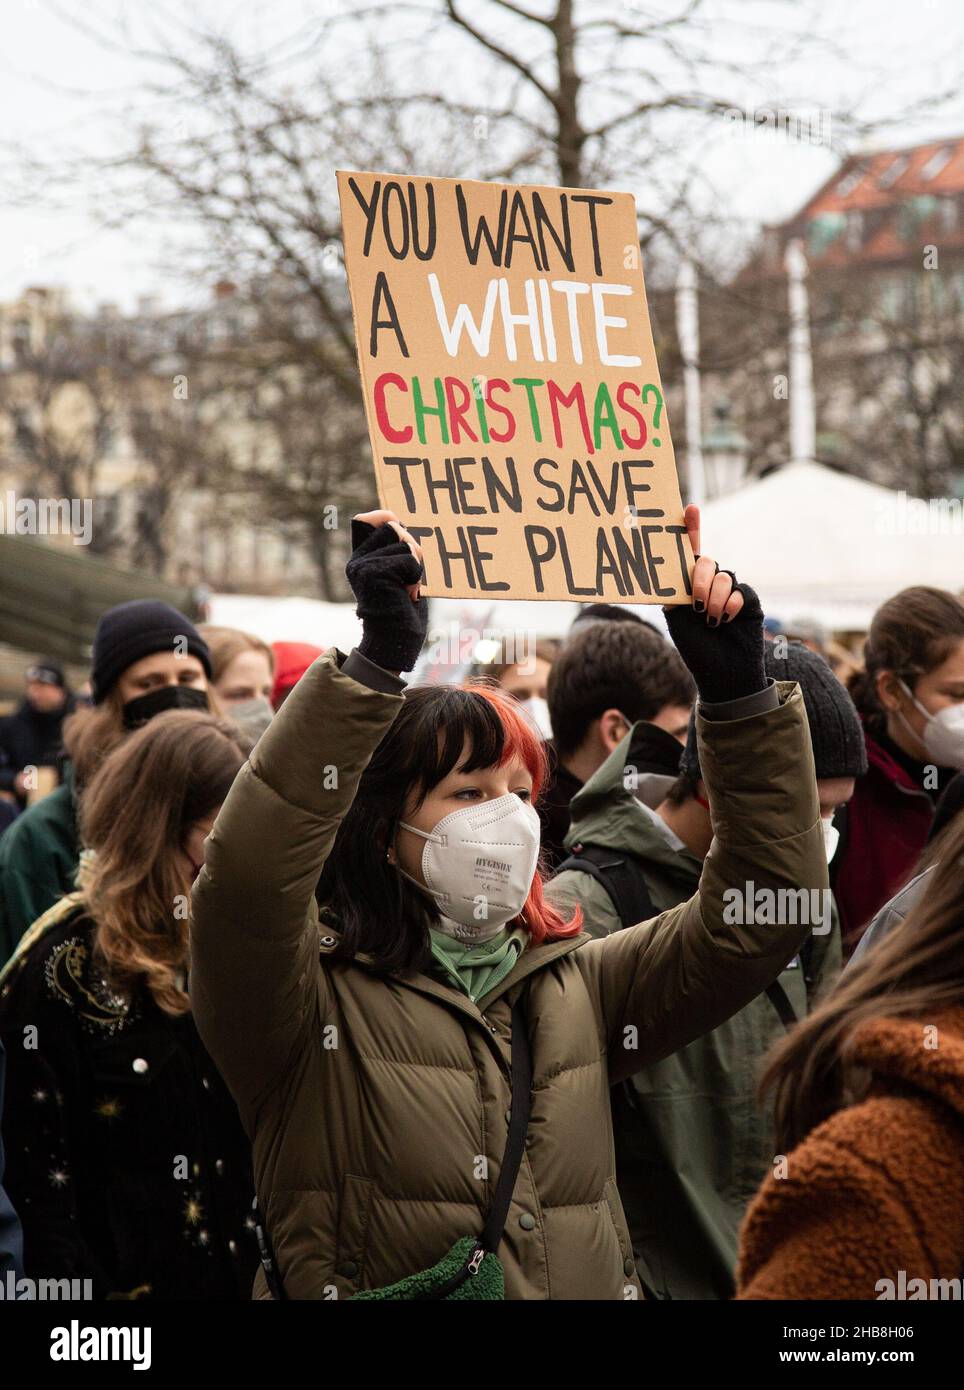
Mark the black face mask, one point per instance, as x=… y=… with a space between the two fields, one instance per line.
x=139 y=711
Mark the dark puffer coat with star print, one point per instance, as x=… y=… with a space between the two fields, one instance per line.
x=126 y=1160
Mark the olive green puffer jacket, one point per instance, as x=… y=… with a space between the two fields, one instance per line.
x=377 y=1106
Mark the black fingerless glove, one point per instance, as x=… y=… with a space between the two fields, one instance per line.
x=393 y=627
x=726 y=661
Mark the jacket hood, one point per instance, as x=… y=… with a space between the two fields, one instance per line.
x=928 y=1056
x=605 y=812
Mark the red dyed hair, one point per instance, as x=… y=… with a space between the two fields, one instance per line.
x=523 y=741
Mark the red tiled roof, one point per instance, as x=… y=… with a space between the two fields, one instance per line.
x=880 y=180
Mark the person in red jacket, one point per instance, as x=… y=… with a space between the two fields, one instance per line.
x=866 y=1196
x=910 y=696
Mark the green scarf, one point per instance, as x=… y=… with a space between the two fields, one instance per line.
x=477 y=969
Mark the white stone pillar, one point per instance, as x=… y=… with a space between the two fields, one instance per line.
x=803 y=417
x=688 y=331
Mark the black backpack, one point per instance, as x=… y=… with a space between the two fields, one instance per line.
x=623 y=877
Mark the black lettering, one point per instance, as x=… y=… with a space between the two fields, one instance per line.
x=654 y=561
x=579 y=487
x=488 y=585
x=382 y=292
x=465 y=486
x=461 y=556
x=564 y=553
x=400 y=462
x=630 y=484
x=396 y=189
x=606 y=564
x=519 y=213
x=368 y=209
x=544 y=224
x=428 y=252
x=495 y=488
x=592 y=199
x=678 y=532
x=446 y=485
x=608 y=499
x=481 y=230
x=558 y=505
x=632 y=561
x=539 y=558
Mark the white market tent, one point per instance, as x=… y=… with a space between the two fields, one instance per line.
x=820 y=544
x=288 y=619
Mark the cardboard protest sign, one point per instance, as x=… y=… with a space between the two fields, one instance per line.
x=514 y=401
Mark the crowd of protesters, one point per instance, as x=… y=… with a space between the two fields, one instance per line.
x=666 y=934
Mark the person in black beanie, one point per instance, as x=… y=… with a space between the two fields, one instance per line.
x=146 y=658
x=839 y=751
x=31 y=737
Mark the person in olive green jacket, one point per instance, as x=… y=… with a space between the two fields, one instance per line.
x=692 y=1144
x=368 y=1047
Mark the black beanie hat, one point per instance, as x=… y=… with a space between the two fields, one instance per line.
x=137 y=629
x=836 y=734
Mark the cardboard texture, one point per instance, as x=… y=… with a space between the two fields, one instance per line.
x=513 y=396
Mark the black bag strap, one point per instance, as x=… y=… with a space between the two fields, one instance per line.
x=492 y=1231
x=780 y=1000
x=621 y=875
x=515 y=1143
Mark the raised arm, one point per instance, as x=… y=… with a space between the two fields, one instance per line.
x=665 y=982
x=255 y=984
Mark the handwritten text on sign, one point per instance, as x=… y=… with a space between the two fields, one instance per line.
x=512 y=390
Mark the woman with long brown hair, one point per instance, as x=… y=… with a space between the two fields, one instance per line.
x=867 y=1191
x=126 y=1158
x=910 y=697
x=147 y=658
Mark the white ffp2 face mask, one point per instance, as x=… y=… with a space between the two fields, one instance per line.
x=943 y=735
x=479 y=863
x=831 y=837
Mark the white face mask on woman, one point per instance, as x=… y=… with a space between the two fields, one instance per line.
x=479 y=863
x=831 y=837
x=943 y=735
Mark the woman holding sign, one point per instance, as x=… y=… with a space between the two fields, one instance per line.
x=424 y=1064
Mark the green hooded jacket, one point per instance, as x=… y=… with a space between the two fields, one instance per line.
x=692 y=1145
x=39 y=855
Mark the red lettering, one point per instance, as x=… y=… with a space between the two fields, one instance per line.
x=457 y=409
x=381 y=414
x=499 y=436
x=575 y=397
x=640 y=439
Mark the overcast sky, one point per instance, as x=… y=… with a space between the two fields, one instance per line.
x=61 y=90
